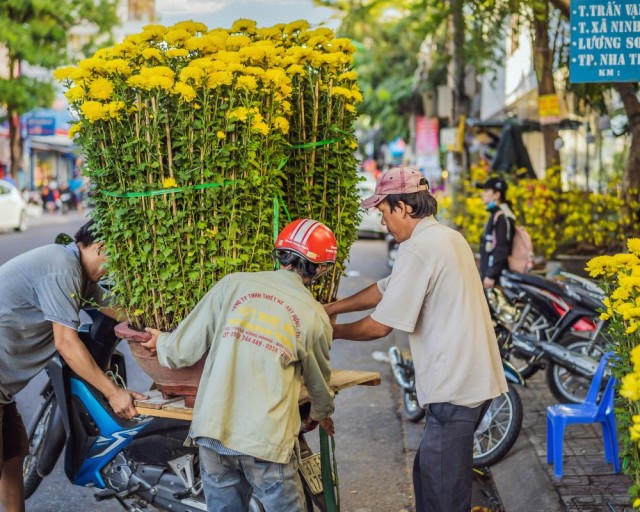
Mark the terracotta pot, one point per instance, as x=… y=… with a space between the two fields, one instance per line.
x=171 y=382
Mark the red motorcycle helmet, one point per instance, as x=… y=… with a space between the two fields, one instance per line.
x=310 y=239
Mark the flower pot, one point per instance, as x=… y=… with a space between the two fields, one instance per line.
x=171 y=382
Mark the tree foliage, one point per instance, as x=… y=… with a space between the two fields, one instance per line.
x=391 y=35
x=36 y=32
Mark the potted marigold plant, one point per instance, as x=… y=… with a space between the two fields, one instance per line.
x=200 y=143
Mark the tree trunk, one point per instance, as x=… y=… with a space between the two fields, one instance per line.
x=543 y=65
x=459 y=101
x=631 y=178
x=15 y=143
x=15 y=137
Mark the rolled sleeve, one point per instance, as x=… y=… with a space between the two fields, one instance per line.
x=404 y=293
x=59 y=299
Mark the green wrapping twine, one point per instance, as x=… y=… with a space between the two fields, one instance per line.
x=164 y=191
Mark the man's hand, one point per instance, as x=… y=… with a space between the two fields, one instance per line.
x=327 y=425
x=153 y=342
x=328 y=310
x=122 y=402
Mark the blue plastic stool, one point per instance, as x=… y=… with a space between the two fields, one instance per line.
x=561 y=415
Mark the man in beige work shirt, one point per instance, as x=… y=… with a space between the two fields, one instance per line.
x=264 y=331
x=434 y=293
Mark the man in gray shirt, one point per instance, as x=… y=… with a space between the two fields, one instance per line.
x=43 y=291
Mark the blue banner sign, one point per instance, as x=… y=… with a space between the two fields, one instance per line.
x=41 y=126
x=605 y=41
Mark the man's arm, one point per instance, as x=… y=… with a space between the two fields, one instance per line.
x=73 y=351
x=364 y=299
x=365 y=329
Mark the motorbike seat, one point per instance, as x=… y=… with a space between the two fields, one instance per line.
x=534 y=280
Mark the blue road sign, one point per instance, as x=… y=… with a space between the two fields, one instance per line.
x=605 y=41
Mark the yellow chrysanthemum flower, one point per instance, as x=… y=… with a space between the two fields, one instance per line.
x=94 y=111
x=260 y=127
x=177 y=36
x=100 y=89
x=190 y=26
x=193 y=75
x=239 y=113
x=177 y=53
x=220 y=134
x=296 y=26
x=348 y=75
x=633 y=244
x=236 y=42
x=74 y=130
x=92 y=64
x=186 y=92
x=244 y=25
x=121 y=66
x=64 y=73
x=169 y=183
x=75 y=93
x=114 y=109
x=281 y=124
x=296 y=69
x=218 y=78
x=152 y=53
x=247 y=83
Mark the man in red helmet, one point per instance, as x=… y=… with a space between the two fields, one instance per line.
x=264 y=331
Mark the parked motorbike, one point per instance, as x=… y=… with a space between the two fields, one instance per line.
x=554 y=325
x=137 y=462
x=498 y=429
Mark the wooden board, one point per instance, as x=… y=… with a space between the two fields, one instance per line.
x=174 y=407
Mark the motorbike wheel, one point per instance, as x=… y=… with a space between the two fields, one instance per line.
x=565 y=385
x=499 y=429
x=37 y=434
x=412 y=409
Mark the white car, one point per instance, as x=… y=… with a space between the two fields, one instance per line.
x=370 y=224
x=13 y=209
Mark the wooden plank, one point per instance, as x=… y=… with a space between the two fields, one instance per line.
x=155 y=400
x=174 y=407
x=161 y=413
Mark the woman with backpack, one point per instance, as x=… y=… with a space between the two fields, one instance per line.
x=497 y=237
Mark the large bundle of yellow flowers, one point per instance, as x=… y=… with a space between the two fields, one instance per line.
x=200 y=142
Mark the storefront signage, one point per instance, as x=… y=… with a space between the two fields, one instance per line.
x=41 y=126
x=549 y=109
x=605 y=41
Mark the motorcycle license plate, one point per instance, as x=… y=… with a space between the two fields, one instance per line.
x=310 y=469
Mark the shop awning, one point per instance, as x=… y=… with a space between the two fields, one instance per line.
x=58 y=143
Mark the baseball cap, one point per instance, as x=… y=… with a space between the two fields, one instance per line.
x=397 y=180
x=497 y=184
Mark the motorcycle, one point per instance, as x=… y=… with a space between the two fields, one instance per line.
x=499 y=427
x=137 y=462
x=551 y=325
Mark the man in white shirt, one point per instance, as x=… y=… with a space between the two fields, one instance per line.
x=434 y=293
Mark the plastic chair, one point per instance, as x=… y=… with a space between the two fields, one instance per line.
x=561 y=415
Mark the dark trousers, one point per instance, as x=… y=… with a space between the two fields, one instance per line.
x=443 y=467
